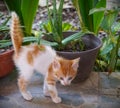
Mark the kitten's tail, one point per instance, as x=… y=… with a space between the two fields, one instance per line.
x=16 y=33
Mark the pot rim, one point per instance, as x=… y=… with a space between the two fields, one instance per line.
x=7 y=52
x=89 y=50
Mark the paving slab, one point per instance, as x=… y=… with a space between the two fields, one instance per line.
x=110 y=85
x=98 y=91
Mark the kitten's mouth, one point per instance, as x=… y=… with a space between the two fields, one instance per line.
x=66 y=84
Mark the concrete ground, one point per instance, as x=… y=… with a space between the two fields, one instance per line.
x=99 y=91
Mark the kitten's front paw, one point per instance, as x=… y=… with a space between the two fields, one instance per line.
x=27 y=95
x=57 y=100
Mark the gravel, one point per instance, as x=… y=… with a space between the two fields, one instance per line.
x=69 y=14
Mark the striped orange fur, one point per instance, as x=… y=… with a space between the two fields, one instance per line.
x=16 y=33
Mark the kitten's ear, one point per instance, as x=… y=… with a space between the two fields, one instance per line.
x=75 y=63
x=56 y=65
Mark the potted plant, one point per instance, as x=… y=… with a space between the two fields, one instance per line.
x=6 y=50
x=90 y=23
x=22 y=8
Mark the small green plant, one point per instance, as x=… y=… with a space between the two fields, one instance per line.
x=109 y=56
x=55 y=27
x=46 y=28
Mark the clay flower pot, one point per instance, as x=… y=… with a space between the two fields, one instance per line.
x=6 y=63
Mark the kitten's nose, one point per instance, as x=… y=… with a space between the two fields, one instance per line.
x=65 y=83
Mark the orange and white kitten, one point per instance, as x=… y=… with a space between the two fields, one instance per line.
x=43 y=59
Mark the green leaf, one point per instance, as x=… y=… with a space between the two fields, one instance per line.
x=90 y=21
x=113 y=60
x=65 y=27
x=109 y=19
x=56 y=21
x=4 y=28
x=84 y=8
x=68 y=27
x=60 y=18
x=115 y=27
x=73 y=37
x=28 y=9
x=45 y=42
x=106 y=49
x=47 y=27
x=76 y=5
x=29 y=39
x=15 y=5
x=5 y=43
x=94 y=10
x=98 y=16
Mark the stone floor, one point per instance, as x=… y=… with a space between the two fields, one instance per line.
x=99 y=91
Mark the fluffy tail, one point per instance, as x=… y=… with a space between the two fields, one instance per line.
x=16 y=33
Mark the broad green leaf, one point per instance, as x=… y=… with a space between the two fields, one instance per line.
x=29 y=39
x=72 y=37
x=106 y=49
x=84 y=8
x=115 y=27
x=28 y=9
x=45 y=42
x=94 y=10
x=5 y=44
x=4 y=28
x=98 y=16
x=76 y=5
x=4 y=41
x=42 y=41
x=109 y=19
x=15 y=5
x=90 y=21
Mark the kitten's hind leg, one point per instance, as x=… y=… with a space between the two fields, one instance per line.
x=22 y=83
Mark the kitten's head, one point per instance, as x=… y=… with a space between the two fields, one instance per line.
x=65 y=70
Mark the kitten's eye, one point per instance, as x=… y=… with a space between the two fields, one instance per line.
x=69 y=78
x=61 y=78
